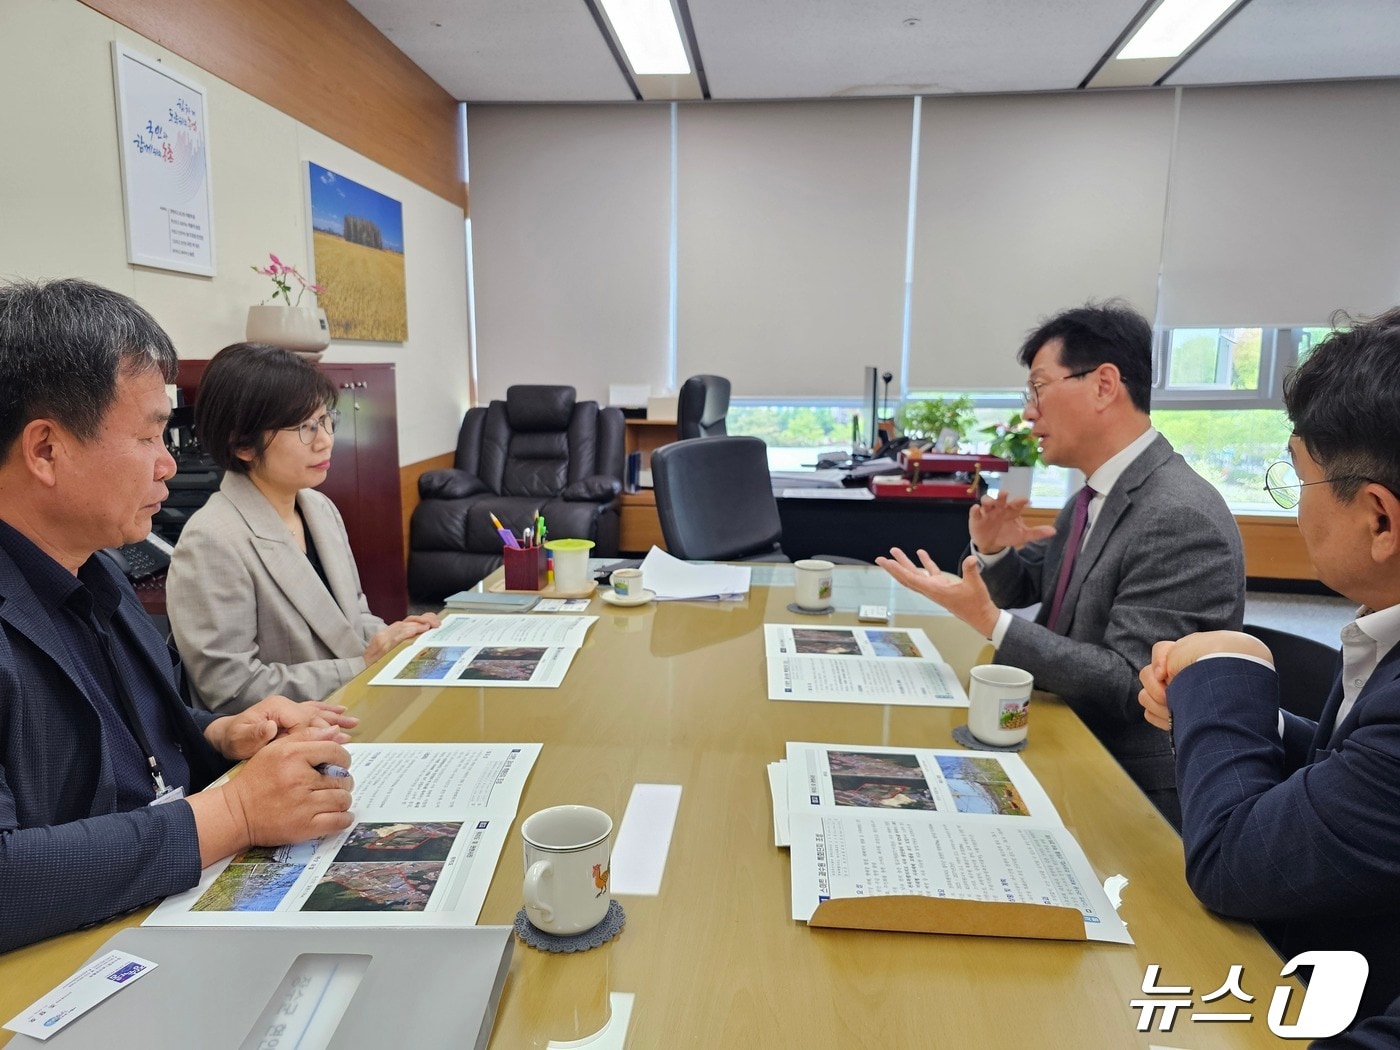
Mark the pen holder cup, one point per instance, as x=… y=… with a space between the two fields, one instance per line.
x=525 y=568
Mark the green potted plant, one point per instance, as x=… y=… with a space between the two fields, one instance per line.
x=934 y=418
x=1014 y=442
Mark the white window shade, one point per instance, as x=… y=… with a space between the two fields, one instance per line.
x=791 y=243
x=1028 y=206
x=1285 y=205
x=570 y=241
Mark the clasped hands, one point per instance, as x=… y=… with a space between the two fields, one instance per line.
x=1171 y=658
x=994 y=524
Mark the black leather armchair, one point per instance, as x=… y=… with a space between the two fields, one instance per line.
x=537 y=451
x=702 y=406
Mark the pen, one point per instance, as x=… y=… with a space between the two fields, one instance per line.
x=329 y=769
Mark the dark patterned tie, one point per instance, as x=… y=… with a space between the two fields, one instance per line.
x=1076 y=538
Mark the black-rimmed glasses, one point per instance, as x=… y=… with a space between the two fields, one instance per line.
x=307 y=431
x=1031 y=395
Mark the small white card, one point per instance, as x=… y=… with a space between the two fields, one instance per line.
x=103 y=977
x=565 y=605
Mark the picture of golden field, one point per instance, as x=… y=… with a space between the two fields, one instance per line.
x=357 y=245
x=364 y=296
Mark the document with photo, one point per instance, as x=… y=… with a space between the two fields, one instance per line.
x=858 y=665
x=866 y=821
x=517 y=652
x=430 y=823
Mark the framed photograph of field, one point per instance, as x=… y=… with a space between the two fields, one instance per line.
x=357 y=253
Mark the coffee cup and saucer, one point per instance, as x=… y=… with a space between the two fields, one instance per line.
x=627 y=589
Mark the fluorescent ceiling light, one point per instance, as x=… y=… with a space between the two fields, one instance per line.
x=1173 y=27
x=648 y=33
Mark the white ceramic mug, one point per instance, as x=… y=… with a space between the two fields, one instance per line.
x=568 y=853
x=570 y=565
x=999 y=704
x=813 y=580
x=626 y=583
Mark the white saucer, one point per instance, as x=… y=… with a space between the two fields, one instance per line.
x=612 y=599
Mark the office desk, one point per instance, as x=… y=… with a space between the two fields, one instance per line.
x=675 y=694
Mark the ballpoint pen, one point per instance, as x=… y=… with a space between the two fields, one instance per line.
x=507 y=537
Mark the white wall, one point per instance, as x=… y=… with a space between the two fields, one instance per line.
x=61 y=210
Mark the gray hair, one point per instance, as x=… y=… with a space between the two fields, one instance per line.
x=63 y=345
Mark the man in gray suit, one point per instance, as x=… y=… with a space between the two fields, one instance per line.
x=1148 y=545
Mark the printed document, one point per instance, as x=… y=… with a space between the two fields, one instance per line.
x=858 y=665
x=675 y=580
x=517 y=652
x=883 y=821
x=430 y=823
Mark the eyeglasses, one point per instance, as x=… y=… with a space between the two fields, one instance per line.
x=1281 y=481
x=307 y=431
x=1031 y=395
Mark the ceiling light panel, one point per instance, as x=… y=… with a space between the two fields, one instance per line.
x=649 y=36
x=1173 y=27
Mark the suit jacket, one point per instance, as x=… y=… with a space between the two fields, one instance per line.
x=1163 y=559
x=1300 y=834
x=250 y=616
x=66 y=858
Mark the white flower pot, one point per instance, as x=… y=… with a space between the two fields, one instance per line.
x=300 y=328
x=1016 y=482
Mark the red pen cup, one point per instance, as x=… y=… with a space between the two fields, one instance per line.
x=525 y=569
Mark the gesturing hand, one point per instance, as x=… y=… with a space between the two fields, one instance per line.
x=997 y=522
x=966 y=598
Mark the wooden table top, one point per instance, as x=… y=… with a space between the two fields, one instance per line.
x=675 y=693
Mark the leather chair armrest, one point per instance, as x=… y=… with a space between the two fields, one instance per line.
x=596 y=488
x=449 y=484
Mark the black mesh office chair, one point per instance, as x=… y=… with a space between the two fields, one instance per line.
x=1306 y=669
x=702 y=406
x=715 y=500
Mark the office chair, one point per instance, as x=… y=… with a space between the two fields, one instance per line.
x=715 y=500
x=701 y=407
x=1306 y=669
x=538 y=450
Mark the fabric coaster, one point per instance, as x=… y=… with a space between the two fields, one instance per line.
x=964 y=736
x=794 y=607
x=605 y=931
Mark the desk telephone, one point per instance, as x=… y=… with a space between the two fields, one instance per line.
x=142 y=559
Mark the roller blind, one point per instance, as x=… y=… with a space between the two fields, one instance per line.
x=1285 y=205
x=571 y=221
x=791 y=243
x=1026 y=206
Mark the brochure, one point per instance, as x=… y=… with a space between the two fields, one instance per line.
x=858 y=665
x=882 y=822
x=523 y=652
x=430 y=823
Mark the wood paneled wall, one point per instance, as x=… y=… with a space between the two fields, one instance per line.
x=322 y=63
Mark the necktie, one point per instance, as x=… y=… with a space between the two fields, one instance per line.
x=1076 y=538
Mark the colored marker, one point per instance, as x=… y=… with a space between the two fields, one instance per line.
x=507 y=537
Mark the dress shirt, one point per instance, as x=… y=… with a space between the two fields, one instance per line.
x=1102 y=482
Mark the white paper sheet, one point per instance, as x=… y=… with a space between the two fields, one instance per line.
x=644 y=839
x=879 y=821
x=513 y=652
x=430 y=823
x=777 y=787
x=858 y=665
x=676 y=580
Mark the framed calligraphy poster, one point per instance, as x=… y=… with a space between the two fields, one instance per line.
x=163 y=142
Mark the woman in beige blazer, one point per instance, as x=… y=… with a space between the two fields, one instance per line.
x=263 y=594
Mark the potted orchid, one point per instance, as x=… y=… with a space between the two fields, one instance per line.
x=1015 y=442
x=300 y=328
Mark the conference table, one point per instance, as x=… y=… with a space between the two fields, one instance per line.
x=675 y=693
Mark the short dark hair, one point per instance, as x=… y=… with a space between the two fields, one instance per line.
x=1107 y=333
x=1344 y=403
x=63 y=346
x=250 y=389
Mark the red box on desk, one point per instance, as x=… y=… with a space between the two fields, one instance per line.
x=950 y=462
x=525 y=568
x=944 y=487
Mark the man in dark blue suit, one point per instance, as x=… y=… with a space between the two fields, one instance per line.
x=104 y=803
x=1291 y=823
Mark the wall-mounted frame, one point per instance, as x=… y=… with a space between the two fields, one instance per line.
x=163 y=142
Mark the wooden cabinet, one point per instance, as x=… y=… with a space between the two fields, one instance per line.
x=638 y=525
x=364 y=477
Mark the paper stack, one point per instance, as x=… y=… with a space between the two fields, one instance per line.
x=674 y=580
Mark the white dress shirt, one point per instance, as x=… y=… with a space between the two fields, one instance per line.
x=1102 y=482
